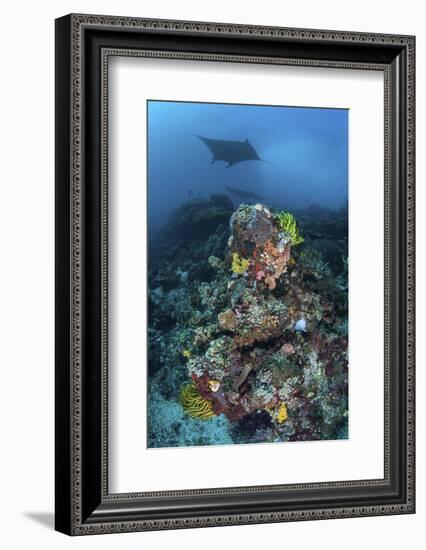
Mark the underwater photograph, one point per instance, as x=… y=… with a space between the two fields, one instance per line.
x=247 y=274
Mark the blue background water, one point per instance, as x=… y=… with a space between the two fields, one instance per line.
x=307 y=149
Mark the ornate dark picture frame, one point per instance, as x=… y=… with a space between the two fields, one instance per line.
x=84 y=44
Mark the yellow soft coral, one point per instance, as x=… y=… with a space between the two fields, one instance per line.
x=239 y=265
x=194 y=404
x=282 y=414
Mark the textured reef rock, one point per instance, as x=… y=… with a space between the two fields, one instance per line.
x=261 y=342
x=258 y=359
x=198 y=216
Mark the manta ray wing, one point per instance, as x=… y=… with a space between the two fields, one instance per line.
x=229 y=151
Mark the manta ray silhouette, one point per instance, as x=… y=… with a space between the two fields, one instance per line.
x=230 y=151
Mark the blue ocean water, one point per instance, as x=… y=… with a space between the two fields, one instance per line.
x=306 y=150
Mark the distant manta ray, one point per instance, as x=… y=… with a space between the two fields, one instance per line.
x=243 y=194
x=230 y=151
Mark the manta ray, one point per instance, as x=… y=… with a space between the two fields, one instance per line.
x=240 y=193
x=230 y=151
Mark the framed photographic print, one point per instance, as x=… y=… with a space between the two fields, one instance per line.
x=234 y=274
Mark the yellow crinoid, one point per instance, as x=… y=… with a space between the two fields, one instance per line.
x=287 y=223
x=194 y=404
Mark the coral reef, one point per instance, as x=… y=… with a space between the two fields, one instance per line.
x=255 y=333
x=170 y=426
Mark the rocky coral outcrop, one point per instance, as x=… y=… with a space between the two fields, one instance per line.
x=261 y=359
